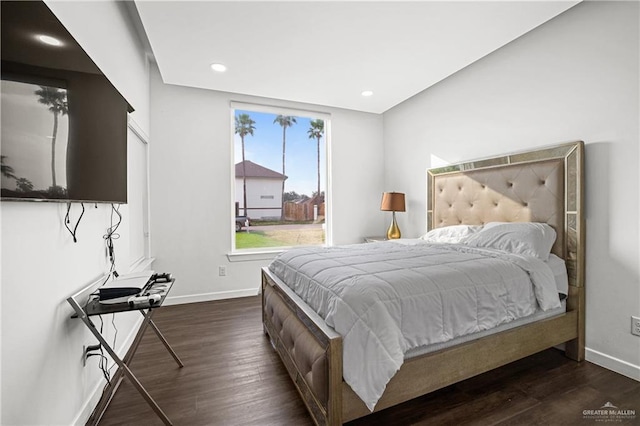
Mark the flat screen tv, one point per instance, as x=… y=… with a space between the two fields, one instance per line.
x=63 y=124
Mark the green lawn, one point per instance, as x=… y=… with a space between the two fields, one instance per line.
x=279 y=238
x=256 y=239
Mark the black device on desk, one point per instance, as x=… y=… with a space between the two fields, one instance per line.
x=110 y=293
x=122 y=287
x=119 y=296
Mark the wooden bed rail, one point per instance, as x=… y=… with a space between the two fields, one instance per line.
x=325 y=406
x=436 y=370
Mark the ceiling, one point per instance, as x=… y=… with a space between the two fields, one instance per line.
x=21 y=20
x=329 y=52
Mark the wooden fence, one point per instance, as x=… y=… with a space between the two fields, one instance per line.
x=301 y=212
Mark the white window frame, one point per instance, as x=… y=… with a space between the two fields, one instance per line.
x=265 y=253
x=137 y=135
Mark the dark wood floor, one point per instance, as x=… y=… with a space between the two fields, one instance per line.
x=233 y=377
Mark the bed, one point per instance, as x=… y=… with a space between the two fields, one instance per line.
x=544 y=186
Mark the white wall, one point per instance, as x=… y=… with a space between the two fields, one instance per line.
x=43 y=381
x=191 y=194
x=574 y=78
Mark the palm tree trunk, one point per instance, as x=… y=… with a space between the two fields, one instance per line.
x=244 y=180
x=53 y=148
x=284 y=144
x=318 y=197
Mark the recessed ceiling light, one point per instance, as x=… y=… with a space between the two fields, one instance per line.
x=218 y=67
x=51 y=41
x=367 y=93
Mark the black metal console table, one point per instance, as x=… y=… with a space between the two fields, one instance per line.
x=94 y=307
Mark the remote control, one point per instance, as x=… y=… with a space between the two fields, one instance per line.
x=143 y=300
x=154 y=298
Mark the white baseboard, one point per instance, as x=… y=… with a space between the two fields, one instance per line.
x=614 y=364
x=206 y=297
x=94 y=397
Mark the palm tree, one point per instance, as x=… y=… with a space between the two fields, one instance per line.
x=285 y=121
x=244 y=126
x=56 y=100
x=315 y=132
x=24 y=185
x=5 y=169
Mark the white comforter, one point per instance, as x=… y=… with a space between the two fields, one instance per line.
x=386 y=298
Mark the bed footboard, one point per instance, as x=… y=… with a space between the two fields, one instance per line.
x=310 y=351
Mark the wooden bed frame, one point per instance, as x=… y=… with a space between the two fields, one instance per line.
x=545 y=185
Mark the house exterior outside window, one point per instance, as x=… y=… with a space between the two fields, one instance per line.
x=259 y=181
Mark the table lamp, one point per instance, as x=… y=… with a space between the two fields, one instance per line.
x=393 y=202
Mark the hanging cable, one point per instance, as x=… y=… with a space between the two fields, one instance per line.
x=67 y=221
x=109 y=237
x=103 y=364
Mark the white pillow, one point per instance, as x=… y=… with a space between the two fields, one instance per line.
x=525 y=238
x=559 y=269
x=454 y=234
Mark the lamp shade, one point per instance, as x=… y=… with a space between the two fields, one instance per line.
x=392 y=202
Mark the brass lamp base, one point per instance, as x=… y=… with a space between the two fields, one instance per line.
x=394 y=232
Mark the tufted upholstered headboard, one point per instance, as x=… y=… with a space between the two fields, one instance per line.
x=530 y=192
x=544 y=185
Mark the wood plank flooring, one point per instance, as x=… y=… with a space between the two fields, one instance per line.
x=232 y=376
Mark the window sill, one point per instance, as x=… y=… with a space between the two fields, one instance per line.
x=253 y=255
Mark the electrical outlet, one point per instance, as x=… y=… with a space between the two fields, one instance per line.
x=86 y=353
x=222 y=271
x=635 y=325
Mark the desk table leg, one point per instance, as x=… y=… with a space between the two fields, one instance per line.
x=152 y=403
x=147 y=316
x=127 y=372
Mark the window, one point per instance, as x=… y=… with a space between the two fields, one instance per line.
x=280 y=175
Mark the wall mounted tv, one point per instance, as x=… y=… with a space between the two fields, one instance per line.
x=63 y=124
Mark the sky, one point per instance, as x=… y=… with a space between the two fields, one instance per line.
x=265 y=148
